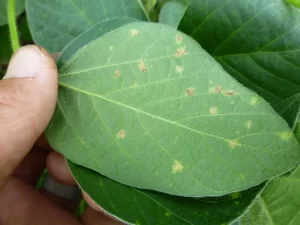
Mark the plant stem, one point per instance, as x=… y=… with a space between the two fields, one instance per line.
x=11 y=12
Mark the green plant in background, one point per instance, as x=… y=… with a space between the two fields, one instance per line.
x=191 y=120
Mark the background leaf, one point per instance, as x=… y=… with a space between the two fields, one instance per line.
x=279 y=203
x=294 y=2
x=141 y=207
x=255 y=41
x=146 y=106
x=289 y=110
x=6 y=51
x=172 y=12
x=55 y=23
x=20 y=5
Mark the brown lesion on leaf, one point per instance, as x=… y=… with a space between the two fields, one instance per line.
x=233 y=143
x=190 y=91
x=229 y=93
x=178 y=39
x=142 y=66
x=121 y=134
x=215 y=90
x=180 y=52
x=117 y=73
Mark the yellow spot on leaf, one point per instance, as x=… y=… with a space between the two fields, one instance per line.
x=134 y=32
x=177 y=167
x=254 y=100
x=117 y=73
x=213 y=110
x=235 y=195
x=178 y=39
x=248 y=124
x=121 y=134
x=190 y=91
x=111 y=48
x=179 y=69
x=233 y=143
x=285 y=136
x=142 y=66
x=180 y=52
x=167 y=214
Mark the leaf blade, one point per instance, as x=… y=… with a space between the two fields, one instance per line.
x=167 y=143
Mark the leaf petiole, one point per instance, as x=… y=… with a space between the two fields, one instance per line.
x=11 y=12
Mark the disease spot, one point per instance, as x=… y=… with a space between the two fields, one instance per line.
x=242 y=177
x=213 y=110
x=111 y=48
x=121 y=134
x=190 y=91
x=180 y=52
x=167 y=214
x=179 y=69
x=248 y=124
x=178 y=39
x=285 y=136
x=134 y=32
x=229 y=93
x=254 y=100
x=134 y=85
x=177 y=167
x=217 y=89
x=233 y=143
x=142 y=66
x=117 y=73
x=235 y=195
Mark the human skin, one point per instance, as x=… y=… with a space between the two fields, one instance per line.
x=28 y=95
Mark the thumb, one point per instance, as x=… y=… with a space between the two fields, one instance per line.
x=27 y=100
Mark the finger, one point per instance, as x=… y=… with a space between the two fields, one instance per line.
x=32 y=166
x=42 y=144
x=23 y=205
x=58 y=169
x=62 y=188
x=27 y=101
x=92 y=217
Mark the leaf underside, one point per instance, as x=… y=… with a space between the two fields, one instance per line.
x=144 y=105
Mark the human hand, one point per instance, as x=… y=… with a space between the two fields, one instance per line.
x=27 y=100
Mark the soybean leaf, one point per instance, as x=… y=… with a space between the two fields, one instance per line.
x=289 y=110
x=255 y=41
x=172 y=12
x=278 y=204
x=91 y=34
x=146 y=106
x=20 y=5
x=130 y=202
x=140 y=207
x=6 y=51
x=55 y=23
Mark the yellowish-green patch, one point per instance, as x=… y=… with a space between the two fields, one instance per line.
x=177 y=167
x=285 y=136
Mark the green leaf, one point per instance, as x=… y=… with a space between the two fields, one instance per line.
x=172 y=12
x=279 y=204
x=255 y=41
x=140 y=207
x=289 y=110
x=6 y=51
x=91 y=34
x=24 y=30
x=146 y=106
x=294 y=2
x=20 y=5
x=55 y=23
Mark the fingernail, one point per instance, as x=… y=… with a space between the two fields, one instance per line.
x=26 y=62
